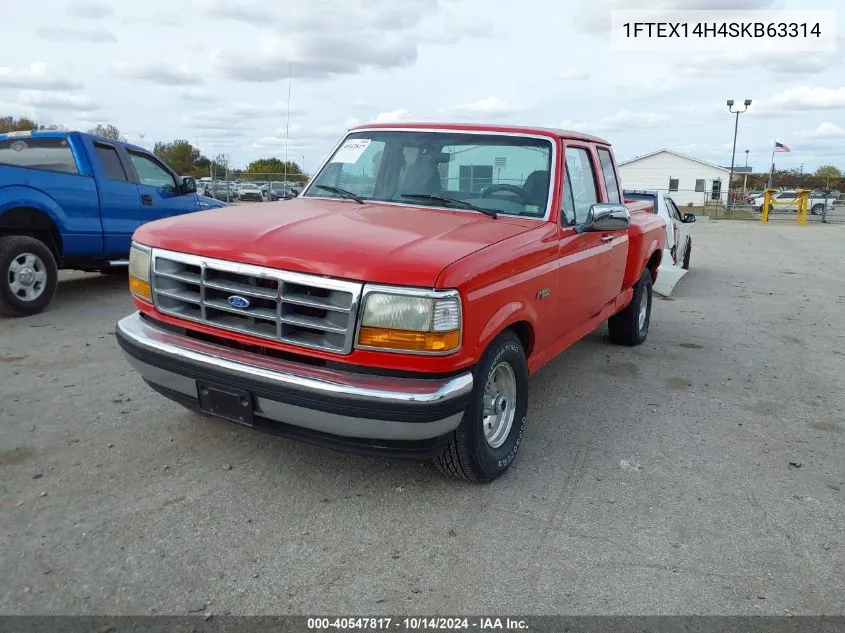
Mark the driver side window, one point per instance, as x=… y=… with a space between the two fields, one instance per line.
x=150 y=173
x=582 y=182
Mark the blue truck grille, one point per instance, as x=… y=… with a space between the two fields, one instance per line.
x=301 y=310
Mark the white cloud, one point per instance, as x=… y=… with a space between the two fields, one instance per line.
x=36 y=77
x=825 y=131
x=76 y=34
x=320 y=39
x=90 y=9
x=56 y=100
x=319 y=56
x=237 y=115
x=195 y=94
x=626 y=120
x=277 y=144
x=800 y=99
x=394 y=116
x=742 y=61
x=164 y=73
x=488 y=108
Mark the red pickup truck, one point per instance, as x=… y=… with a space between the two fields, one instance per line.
x=399 y=304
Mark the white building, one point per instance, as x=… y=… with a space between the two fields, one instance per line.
x=686 y=179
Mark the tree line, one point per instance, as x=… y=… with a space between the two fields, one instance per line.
x=826 y=177
x=180 y=154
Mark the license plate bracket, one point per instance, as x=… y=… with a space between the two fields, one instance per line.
x=232 y=404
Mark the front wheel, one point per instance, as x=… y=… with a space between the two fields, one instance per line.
x=630 y=327
x=486 y=443
x=687 y=254
x=28 y=275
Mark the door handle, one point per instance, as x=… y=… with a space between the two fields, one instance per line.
x=606 y=238
x=146 y=199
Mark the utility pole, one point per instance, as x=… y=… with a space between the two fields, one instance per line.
x=736 y=128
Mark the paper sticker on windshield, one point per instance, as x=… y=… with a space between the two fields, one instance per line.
x=533 y=208
x=351 y=150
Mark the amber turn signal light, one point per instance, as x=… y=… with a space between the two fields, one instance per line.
x=140 y=288
x=409 y=341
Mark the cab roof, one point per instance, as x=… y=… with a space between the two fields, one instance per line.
x=482 y=127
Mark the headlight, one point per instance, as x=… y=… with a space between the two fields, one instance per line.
x=405 y=320
x=139 y=271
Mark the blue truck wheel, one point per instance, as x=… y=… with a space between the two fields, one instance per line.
x=28 y=275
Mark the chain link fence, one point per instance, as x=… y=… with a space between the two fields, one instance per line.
x=715 y=205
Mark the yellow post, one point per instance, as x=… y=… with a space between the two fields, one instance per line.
x=768 y=199
x=803 y=196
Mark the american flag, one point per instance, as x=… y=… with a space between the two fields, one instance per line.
x=780 y=147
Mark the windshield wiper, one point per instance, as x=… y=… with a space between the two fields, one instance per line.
x=343 y=193
x=452 y=202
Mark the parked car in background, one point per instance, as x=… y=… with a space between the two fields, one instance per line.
x=785 y=201
x=678 y=238
x=70 y=200
x=277 y=191
x=393 y=310
x=221 y=191
x=248 y=191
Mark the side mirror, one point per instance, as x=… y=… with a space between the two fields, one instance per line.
x=189 y=185
x=689 y=217
x=607 y=217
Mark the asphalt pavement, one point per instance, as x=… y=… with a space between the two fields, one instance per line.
x=701 y=473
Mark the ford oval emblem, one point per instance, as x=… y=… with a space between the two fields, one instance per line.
x=236 y=301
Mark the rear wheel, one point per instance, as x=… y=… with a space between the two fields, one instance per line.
x=817 y=209
x=630 y=327
x=28 y=275
x=486 y=443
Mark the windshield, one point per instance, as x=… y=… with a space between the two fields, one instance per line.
x=503 y=173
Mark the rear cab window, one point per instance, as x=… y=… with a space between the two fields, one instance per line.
x=110 y=161
x=48 y=154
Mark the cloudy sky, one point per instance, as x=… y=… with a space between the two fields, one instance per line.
x=216 y=72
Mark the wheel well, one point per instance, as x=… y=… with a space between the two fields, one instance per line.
x=35 y=223
x=654 y=263
x=525 y=333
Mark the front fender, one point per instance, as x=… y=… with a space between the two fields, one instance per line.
x=507 y=315
x=23 y=197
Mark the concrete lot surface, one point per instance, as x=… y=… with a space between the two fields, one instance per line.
x=702 y=472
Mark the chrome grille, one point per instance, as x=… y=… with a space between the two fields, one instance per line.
x=303 y=310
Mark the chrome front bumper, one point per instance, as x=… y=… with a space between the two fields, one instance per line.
x=327 y=403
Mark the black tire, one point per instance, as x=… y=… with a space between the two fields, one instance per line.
x=687 y=254
x=468 y=455
x=12 y=249
x=817 y=209
x=624 y=327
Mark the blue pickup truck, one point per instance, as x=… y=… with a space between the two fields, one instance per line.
x=72 y=201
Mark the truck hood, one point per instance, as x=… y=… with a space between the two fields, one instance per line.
x=381 y=243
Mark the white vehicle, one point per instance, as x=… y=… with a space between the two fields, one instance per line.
x=248 y=191
x=785 y=201
x=678 y=251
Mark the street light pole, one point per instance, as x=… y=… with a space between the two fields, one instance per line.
x=736 y=129
x=746 y=157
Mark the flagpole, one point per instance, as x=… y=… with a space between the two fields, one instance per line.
x=772 y=163
x=287 y=122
